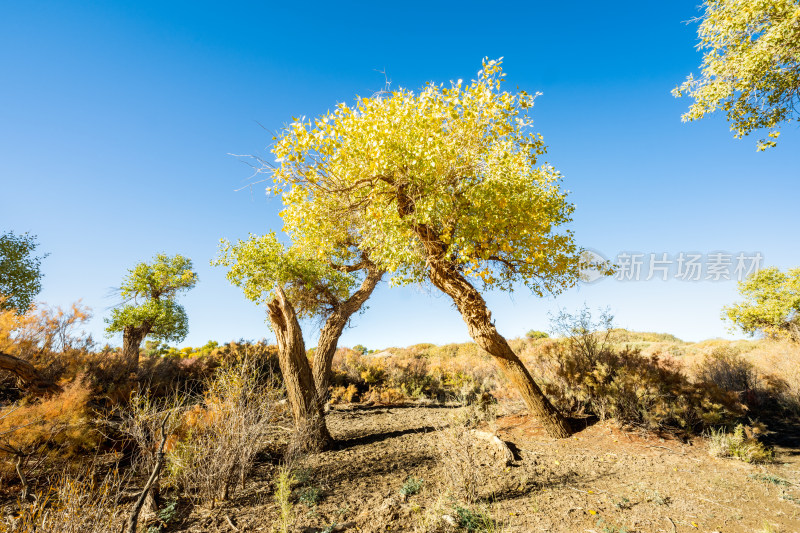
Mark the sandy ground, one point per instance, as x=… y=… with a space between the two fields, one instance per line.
x=602 y=480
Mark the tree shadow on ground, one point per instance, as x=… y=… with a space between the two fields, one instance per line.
x=516 y=491
x=388 y=407
x=379 y=437
x=583 y=422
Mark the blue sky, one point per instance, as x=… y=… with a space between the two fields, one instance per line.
x=117 y=120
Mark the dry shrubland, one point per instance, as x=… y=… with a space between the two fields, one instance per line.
x=72 y=503
x=225 y=406
x=218 y=438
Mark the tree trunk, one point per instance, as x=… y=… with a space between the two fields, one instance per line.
x=309 y=419
x=27 y=373
x=329 y=336
x=478 y=318
x=132 y=337
x=473 y=310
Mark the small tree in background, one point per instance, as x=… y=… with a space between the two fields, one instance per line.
x=293 y=284
x=149 y=308
x=20 y=271
x=536 y=334
x=441 y=186
x=750 y=67
x=771 y=304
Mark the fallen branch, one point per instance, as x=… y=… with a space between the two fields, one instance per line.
x=27 y=373
x=230 y=523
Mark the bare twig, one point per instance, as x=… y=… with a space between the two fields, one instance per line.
x=23 y=480
x=230 y=523
x=137 y=508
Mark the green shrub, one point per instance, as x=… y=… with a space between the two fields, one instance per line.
x=534 y=334
x=741 y=444
x=411 y=486
x=310 y=496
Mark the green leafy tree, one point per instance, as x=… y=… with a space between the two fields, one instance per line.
x=751 y=66
x=441 y=186
x=149 y=308
x=20 y=271
x=536 y=334
x=293 y=283
x=771 y=304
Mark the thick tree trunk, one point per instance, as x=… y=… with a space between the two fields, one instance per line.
x=309 y=419
x=27 y=373
x=472 y=307
x=473 y=310
x=132 y=337
x=329 y=336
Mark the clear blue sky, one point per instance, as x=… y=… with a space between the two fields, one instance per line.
x=117 y=118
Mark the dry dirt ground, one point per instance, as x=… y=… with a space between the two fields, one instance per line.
x=602 y=480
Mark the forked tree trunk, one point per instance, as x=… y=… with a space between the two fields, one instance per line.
x=472 y=306
x=309 y=419
x=329 y=336
x=132 y=337
x=27 y=373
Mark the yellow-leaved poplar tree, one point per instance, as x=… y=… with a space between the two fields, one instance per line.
x=444 y=186
x=751 y=66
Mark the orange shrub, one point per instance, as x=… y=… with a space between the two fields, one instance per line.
x=61 y=425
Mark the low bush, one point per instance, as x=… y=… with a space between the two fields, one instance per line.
x=646 y=391
x=419 y=372
x=584 y=373
x=218 y=438
x=741 y=444
x=72 y=504
x=46 y=432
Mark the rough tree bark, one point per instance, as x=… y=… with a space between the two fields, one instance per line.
x=334 y=325
x=27 y=373
x=132 y=337
x=301 y=392
x=446 y=277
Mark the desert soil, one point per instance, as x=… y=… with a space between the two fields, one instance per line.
x=603 y=480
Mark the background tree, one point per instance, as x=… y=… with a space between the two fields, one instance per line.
x=20 y=271
x=751 y=65
x=291 y=284
x=442 y=186
x=771 y=304
x=149 y=308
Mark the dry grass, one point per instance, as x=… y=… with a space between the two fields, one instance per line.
x=462 y=456
x=742 y=443
x=47 y=431
x=219 y=438
x=72 y=504
x=761 y=371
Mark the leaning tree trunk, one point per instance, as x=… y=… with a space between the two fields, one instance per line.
x=309 y=419
x=132 y=337
x=329 y=336
x=473 y=310
x=27 y=373
x=472 y=306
